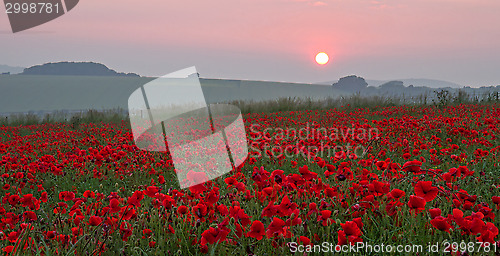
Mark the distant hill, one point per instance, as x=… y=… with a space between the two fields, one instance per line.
x=395 y=85
x=74 y=69
x=416 y=82
x=406 y=88
x=10 y=69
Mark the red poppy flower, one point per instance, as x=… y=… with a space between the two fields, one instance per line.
x=331 y=192
x=13 y=236
x=29 y=201
x=89 y=193
x=488 y=233
x=198 y=189
x=269 y=210
x=76 y=231
x=95 y=220
x=171 y=229
x=304 y=240
x=397 y=193
x=136 y=198
x=342 y=239
x=114 y=205
x=441 y=223
x=126 y=230
x=8 y=249
x=213 y=235
x=351 y=228
x=128 y=213
x=321 y=163
x=486 y=236
x=44 y=197
x=306 y=174
x=14 y=199
x=286 y=207
x=496 y=200
x=239 y=215
x=277 y=176
x=200 y=210
x=222 y=210
x=416 y=203
x=66 y=195
x=182 y=209
x=151 y=191
x=30 y=216
x=358 y=222
x=257 y=230
x=412 y=166
x=275 y=228
x=230 y=181
x=471 y=225
x=380 y=188
x=313 y=208
x=434 y=212
x=381 y=165
x=51 y=234
x=426 y=190
x=325 y=217
x=213 y=196
x=268 y=191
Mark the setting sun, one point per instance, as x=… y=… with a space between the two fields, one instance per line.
x=322 y=58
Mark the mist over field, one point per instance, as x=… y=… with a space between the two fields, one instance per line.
x=24 y=93
x=46 y=93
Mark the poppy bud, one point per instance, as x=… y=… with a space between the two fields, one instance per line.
x=278 y=179
x=341 y=177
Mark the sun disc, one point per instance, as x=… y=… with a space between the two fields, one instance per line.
x=322 y=58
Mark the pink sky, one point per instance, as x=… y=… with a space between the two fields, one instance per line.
x=454 y=40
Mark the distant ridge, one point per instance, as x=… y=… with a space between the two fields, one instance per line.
x=10 y=69
x=416 y=82
x=74 y=69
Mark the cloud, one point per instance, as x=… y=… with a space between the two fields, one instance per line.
x=319 y=3
x=384 y=4
x=311 y=2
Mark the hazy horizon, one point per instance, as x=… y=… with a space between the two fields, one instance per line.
x=455 y=41
x=371 y=82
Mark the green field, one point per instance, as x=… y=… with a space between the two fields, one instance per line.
x=24 y=93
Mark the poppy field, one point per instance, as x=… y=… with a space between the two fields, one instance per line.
x=315 y=182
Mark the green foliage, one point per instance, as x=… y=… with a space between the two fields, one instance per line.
x=443 y=98
x=114 y=116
